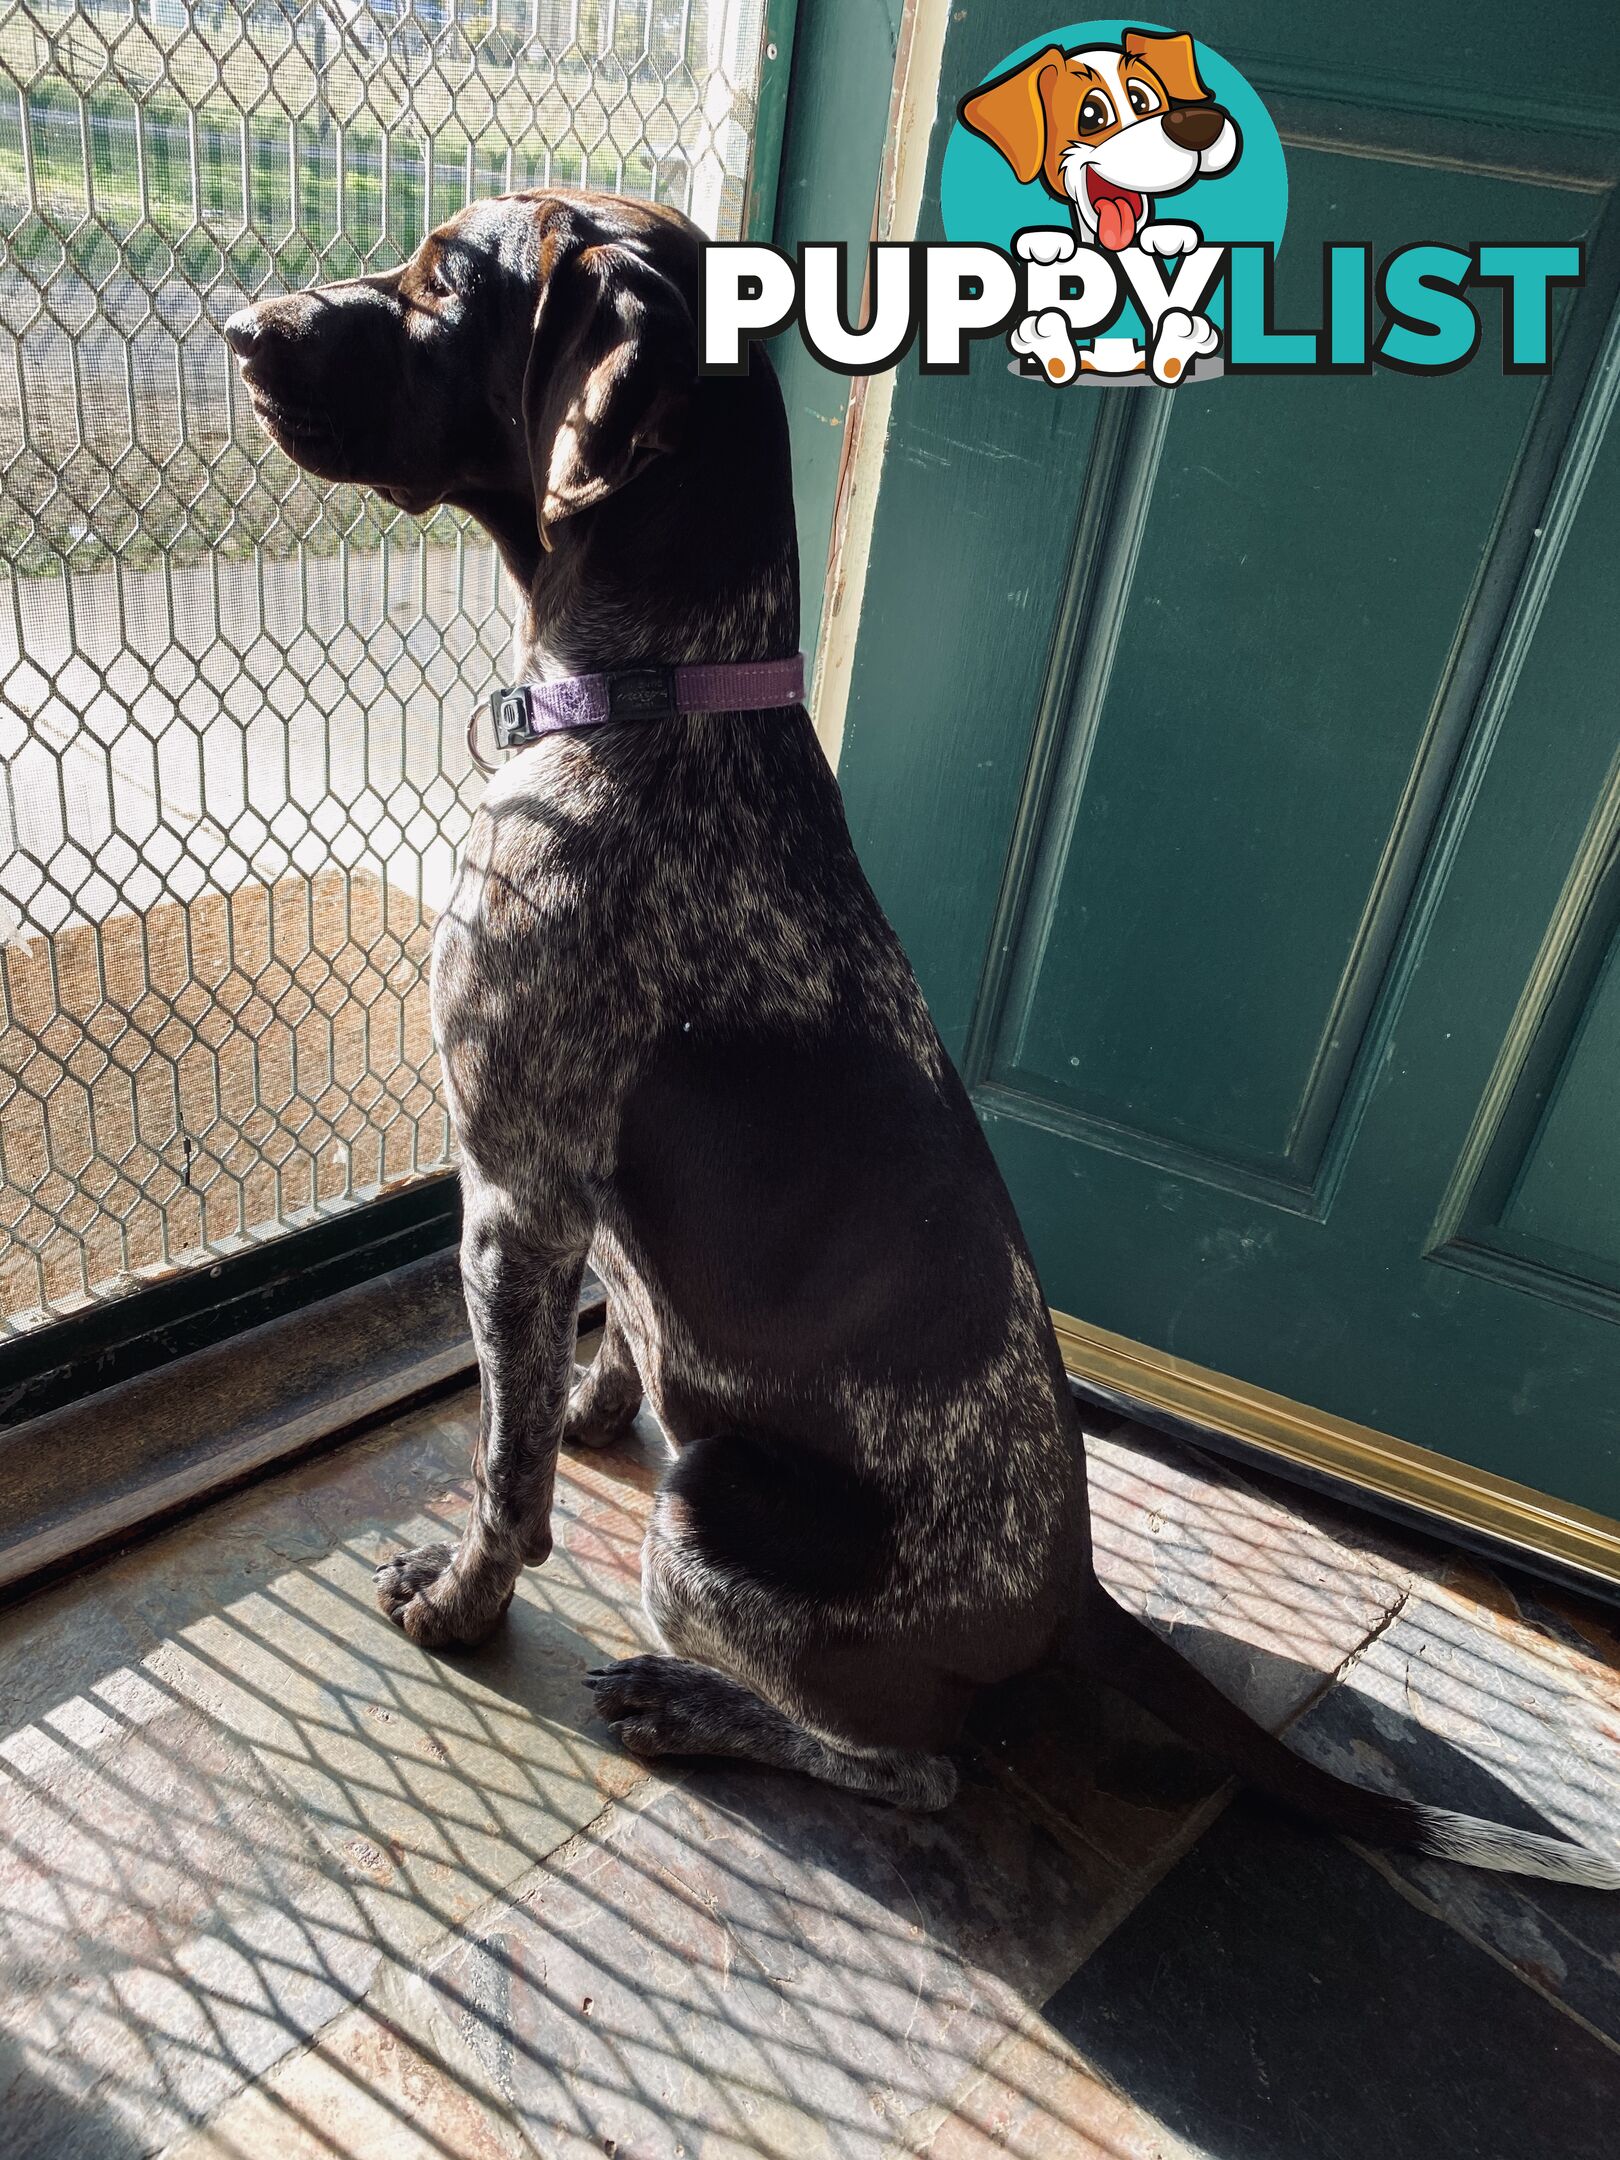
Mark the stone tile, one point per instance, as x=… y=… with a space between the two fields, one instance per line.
x=1468 y=1701
x=51 y=2118
x=364 y=2092
x=239 y=1802
x=441 y=1778
x=1264 y=1599
x=233 y=1788
x=60 y=1643
x=1035 y=2099
x=752 y=1965
x=409 y=1481
x=1276 y=1998
x=167 y=1927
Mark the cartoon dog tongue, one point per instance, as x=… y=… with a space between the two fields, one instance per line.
x=1117 y=208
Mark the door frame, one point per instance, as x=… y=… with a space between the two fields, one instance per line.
x=1397 y=1476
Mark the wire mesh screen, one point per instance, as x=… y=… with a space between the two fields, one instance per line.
x=232 y=699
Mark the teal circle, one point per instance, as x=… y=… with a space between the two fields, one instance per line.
x=982 y=199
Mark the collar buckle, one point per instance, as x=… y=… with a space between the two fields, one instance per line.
x=642 y=693
x=509 y=709
x=510 y=716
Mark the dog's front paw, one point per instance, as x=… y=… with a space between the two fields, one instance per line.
x=1045 y=338
x=436 y=1602
x=1169 y=238
x=1045 y=244
x=1179 y=340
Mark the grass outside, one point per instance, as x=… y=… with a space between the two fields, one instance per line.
x=209 y=192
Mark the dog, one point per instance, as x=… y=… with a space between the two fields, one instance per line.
x=1106 y=132
x=680 y=1041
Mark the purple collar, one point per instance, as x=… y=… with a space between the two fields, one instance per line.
x=528 y=711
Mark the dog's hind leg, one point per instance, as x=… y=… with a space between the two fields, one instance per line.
x=604 y=1403
x=770 y=1677
x=669 y=1706
x=522 y=1282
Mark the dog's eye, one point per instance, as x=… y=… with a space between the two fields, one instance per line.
x=437 y=282
x=1144 y=99
x=1096 y=112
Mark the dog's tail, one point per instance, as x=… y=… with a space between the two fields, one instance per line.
x=1113 y=1645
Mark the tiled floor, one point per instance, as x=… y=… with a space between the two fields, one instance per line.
x=276 y=1883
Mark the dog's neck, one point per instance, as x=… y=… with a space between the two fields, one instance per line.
x=583 y=616
x=696 y=560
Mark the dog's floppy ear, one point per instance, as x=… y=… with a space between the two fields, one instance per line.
x=610 y=374
x=1173 y=61
x=1011 y=113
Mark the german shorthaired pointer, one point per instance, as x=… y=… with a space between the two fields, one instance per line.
x=680 y=1039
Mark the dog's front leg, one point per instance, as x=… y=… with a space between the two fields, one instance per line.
x=522 y=1283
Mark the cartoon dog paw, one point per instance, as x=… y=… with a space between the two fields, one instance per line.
x=1169 y=238
x=1179 y=340
x=1045 y=337
x=1046 y=244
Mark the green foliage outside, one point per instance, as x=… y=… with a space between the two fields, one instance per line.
x=142 y=194
x=263 y=196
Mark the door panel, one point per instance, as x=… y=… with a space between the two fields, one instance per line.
x=1536 y=1191
x=1428 y=56
x=1165 y=977
x=1554 y=1201
x=1236 y=764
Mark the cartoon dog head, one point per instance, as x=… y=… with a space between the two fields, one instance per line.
x=1107 y=129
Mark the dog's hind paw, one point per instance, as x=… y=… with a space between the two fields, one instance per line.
x=669 y=1706
x=438 y=1604
x=648 y=1704
x=1180 y=340
x=591 y=1423
x=1045 y=339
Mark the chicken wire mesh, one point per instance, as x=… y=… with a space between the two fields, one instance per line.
x=233 y=774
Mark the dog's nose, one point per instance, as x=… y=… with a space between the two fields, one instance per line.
x=1189 y=127
x=242 y=332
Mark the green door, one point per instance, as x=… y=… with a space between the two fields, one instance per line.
x=1239 y=765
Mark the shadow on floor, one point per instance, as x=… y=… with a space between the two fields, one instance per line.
x=752 y=1957
x=37 y=2117
x=1277 y=1997
x=242 y=1813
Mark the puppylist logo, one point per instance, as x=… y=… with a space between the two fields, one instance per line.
x=1113 y=197
x=1158 y=160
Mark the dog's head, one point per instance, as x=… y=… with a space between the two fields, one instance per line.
x=1108 y=129
x=535 y=356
